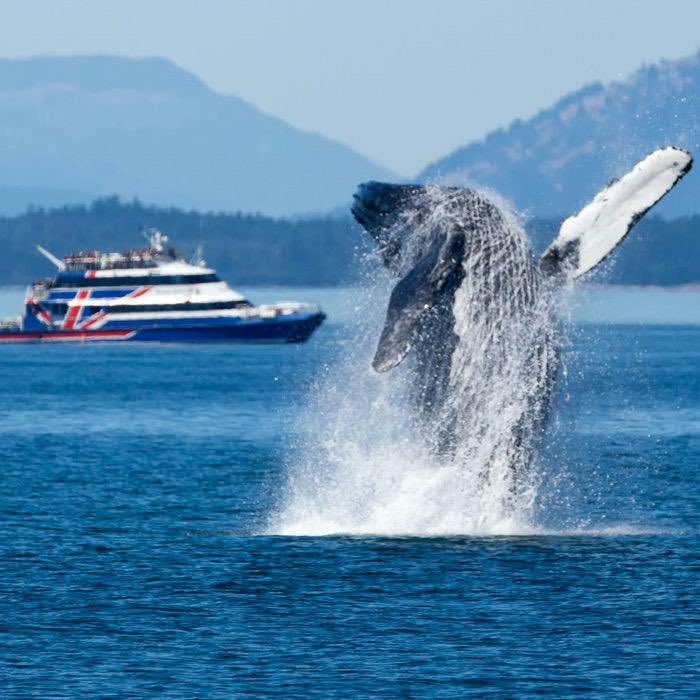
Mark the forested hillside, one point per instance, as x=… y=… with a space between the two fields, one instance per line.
x=246 y=249
x=250 y=249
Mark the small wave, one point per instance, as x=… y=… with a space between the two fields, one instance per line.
x=319 y=527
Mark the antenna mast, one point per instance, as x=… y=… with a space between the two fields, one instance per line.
x=50 y=256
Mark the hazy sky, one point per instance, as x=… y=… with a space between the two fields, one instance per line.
x=402 y=81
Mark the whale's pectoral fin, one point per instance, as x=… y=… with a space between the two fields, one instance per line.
x=585 y=240
x=414 y=296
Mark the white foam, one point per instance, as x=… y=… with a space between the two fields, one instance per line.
x=322 y=527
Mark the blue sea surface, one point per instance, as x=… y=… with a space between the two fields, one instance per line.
x=137 y=560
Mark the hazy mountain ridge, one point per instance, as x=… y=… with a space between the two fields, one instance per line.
x=96 y=125
x=554 y=163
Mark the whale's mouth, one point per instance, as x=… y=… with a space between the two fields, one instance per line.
x=378 y=205
x=383 y=210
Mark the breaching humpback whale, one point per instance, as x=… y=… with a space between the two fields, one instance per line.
x=472 y=307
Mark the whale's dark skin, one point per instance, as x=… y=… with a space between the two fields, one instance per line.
x=473 y=308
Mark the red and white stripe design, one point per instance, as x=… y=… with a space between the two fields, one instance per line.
x=93 y=320
x=41 y=314
x=96 y=320
x=137 y=293
x=66 y=336
x=76 y=309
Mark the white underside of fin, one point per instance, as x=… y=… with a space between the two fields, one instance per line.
x=601 y=225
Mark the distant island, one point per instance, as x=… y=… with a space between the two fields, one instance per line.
x=316 y=251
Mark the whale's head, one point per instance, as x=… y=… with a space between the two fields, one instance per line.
x=407 y=220
x=390 y=214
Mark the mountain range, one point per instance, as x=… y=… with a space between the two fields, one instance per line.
x=76 y=128
x=72 y=128
x=552 y=164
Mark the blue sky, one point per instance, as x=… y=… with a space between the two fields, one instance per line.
x=402 y=81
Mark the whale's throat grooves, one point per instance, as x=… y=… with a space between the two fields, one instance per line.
x=484 y=358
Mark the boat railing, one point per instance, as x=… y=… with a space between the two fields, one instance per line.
x=283 y=308
x=80 y=264
x=42 y=285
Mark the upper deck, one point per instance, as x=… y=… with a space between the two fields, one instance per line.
x=157 y=275
x=156 y=253
x=159 y=264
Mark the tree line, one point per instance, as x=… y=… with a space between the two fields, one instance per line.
x=249 y=249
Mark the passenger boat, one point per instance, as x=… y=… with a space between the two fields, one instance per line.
x=150 y=294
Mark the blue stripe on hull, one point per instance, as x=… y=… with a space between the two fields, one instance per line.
x=295 y=328
x=67 y=295
x=198 y=322
x=291 y=330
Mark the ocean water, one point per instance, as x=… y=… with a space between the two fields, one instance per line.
x=152 y=545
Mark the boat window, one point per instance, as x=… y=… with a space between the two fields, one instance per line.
x=187 y=306
x=74 y=281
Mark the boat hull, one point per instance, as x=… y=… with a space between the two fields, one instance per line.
x=294 y=328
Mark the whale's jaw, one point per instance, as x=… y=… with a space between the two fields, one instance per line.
x=382 y=209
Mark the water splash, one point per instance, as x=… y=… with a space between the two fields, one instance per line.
x=444 y=443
